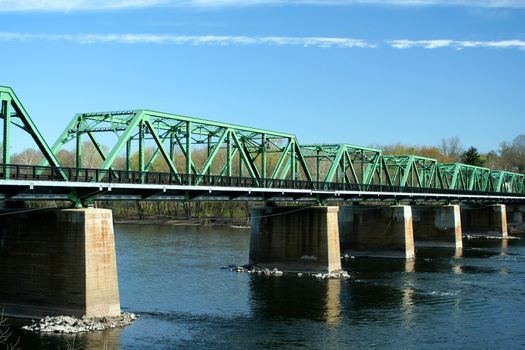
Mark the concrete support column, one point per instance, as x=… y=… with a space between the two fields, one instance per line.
x=58 y=262
x=377 y=232
x=487 y=220
x=437 y=226
x=294 y=239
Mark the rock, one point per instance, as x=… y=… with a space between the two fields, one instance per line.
x=69 y=320
x=259 y=270
x=70 y=325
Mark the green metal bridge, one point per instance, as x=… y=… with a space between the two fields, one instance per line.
x=149 y=155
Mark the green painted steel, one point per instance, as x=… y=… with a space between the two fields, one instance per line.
x=457 y=176
x=504 y=181
x=13 y=113
x=198 y=146
x=345 y=163
x=188 y=149
x=413 y=171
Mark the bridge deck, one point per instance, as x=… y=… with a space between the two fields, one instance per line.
x=27 y=182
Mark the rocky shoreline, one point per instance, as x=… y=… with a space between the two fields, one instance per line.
x=71 y=325
x=262 y=270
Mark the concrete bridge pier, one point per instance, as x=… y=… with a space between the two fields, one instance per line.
x=485 y=220
x=295 y=239
x=377 y=232
x=437 y=226
x=58 y=262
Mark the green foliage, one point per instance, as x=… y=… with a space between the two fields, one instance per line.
x=472 y=157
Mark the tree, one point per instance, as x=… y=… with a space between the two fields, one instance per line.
x=472 y=157
x=451 y=148
x=29 y=156
x=493 y=160
x=513 y=155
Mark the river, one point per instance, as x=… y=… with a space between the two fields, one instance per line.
x=171 y=276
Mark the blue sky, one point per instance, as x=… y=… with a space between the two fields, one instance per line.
x=342 y=71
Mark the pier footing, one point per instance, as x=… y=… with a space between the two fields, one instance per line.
x=296 y=239
x=58 y=262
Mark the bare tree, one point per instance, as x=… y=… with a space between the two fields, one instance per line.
x=513 y=154
x=29 y=156
x=451 y=148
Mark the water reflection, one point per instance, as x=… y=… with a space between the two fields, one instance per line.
x=456 y=264
x=293 y=297
x=108 y=339
x=408 y=306
x=333 y=301
x=504 y=246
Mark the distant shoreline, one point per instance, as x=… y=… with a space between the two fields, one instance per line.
x=211 y=222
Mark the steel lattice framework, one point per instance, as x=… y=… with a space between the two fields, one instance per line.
x=160 y=148
x=507 y=182
x=13 y=113
x=413 y=171
x=457 y=176
x=205 y=147
x=347 y=164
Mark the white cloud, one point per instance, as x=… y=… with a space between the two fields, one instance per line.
x=76 y=5
x=325 y=42
x=242 y=40
x=83 y=5
x=457 y=44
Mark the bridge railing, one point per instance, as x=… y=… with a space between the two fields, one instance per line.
x=55 y=174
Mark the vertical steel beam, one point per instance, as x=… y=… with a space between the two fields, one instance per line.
x=293 y=160
x=188 y=151
x=240 y=161
x=142 y=129
x=343 y=166
x=172 y=147
x=263 y=161
x=6 y=154
x=318 y=165
x=363 y=172
x=209 y=154
x=79 y=149
x=229 y=154
x=128 y=155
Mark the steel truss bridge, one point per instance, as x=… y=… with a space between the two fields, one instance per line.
x=148 y=155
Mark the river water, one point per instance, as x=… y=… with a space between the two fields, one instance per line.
x=171 y=276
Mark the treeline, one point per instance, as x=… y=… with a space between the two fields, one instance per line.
x=510 y=156
x=202 y=212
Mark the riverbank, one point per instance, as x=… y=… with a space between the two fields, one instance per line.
x=208 y=222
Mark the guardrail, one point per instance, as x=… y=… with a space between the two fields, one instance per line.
x=55 y=174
